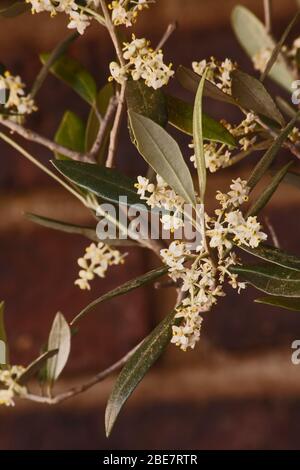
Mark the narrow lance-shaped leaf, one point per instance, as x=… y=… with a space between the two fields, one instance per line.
x=87 y=232
x=273 y=280
x=253 y=37
x=61 y=226
x=251 y=94
x=190 y=80
x=136 y=368
x=163 y=154
x=268 y=158
x=52 y=58
x=35 y=366
x=106 y=183
x=70 y=134
x=129 y=286
x=180 y=115
x=266 y=195
x=3 y=338
x=274 y=255
x=146 y=101
x=282 y=302
x=59 y=338
x=279 y=45
x=75 y=75
x=198 y=139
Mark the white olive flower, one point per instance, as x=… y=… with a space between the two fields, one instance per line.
x=142 y=63
x=171 y=222
x=216 y=72
x=95 y=262
x=143 y=186
x=78 y=21
x=6 y=397
x=9 y=386
x=16 y=100
x=118 y=73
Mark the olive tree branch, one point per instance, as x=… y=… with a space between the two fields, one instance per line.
x=42 y=167
x=38 y=139
x=81 y=388
x=169 y=31
x=102 y=128
x=112 y=32
x=268 y=15
x=116 y=127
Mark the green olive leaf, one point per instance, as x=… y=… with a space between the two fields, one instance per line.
x=253 y=37
x=273 y=280
x=181 y=116
x=59 y=339
x=163 y=154
x=136 y=368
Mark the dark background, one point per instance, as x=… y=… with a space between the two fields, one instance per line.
x=238 y=389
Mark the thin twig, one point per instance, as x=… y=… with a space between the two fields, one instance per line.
x=116 y=128
x=111 y=29
x=268 y=15
x=102 y=128
x=38 y=139
x=82 y=388
x=41 y=166
x=169 y=31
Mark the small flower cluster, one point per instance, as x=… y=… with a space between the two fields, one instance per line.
x=142 y=63
x=230 y=224
x=125 y=12
x=217 y=155
x=199 y=278
x=9 y=386
x=95 y=262
x=159 y=195
x=294 y=136
x=243 y=132
x=217 y=72
x=16 y=99
x=78 y=19
x=262 y=57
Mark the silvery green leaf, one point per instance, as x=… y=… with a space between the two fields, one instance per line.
x=35 y=366
x=273 y=280
x=128 y=286
x=136 y=368
x=253 y=37
x=251 y=94
x=198 y=140
x=59 y=338
x=163 y=154
x=282 y=302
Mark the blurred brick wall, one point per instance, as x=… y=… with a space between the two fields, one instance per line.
x=38 y=267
